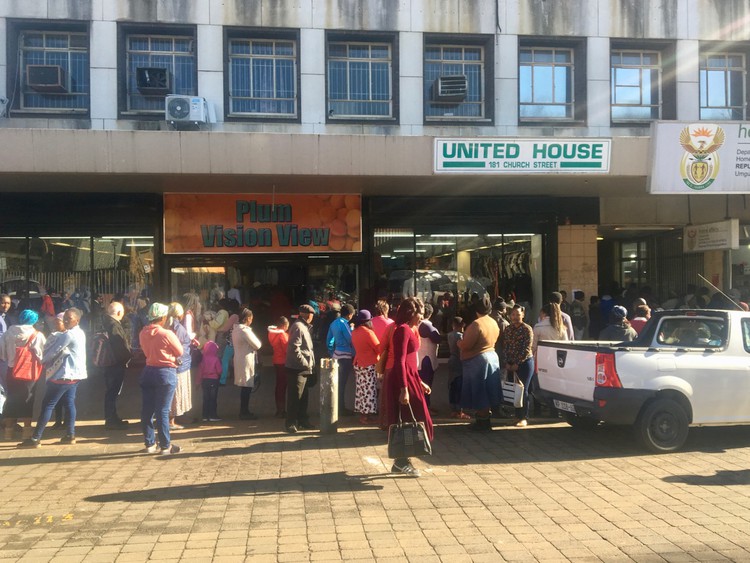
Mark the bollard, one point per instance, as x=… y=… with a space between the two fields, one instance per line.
x=329 y=393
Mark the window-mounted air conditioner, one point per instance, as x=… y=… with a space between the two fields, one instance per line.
x=46 y=78
x=451 y=88
x=153 y=81
x=190 y=109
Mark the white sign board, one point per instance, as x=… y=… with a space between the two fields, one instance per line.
x=723 y=235
x=700 y=158
x=522 y=156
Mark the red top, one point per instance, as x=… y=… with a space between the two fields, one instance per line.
x=366 y=347
x=279 y=340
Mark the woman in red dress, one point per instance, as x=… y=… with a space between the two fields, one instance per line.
x=403 y=385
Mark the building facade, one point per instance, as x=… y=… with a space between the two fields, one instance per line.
x=124 y=122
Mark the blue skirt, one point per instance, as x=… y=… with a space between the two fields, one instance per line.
x=481 y=384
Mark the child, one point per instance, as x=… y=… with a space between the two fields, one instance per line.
x=278 y=337
x=210 y=371
x=455 y=370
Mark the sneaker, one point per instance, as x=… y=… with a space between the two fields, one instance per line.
x=68 y=439
x=171 y=450
x=522 y=423
x=291 y=429
x=305 y=426
x=30 y=443
x=205 y=420
x=407 y=469
x=214 y=420
x=152 y=449
x=248 y=416
x=173 y=427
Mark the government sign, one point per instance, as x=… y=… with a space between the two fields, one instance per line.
x=522 y=156
x=700 y=158
x=722 y=235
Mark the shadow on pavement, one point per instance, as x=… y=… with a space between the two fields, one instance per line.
x=318 y=483
x=721 y=478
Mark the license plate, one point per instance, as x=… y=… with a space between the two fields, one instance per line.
x=564 y=406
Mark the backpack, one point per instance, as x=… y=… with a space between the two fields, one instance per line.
x=102 y=355
x=27 y=366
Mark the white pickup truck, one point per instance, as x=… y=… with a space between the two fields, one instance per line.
x=686 y=368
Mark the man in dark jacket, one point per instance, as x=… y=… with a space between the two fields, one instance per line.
x=115 y=374
x=300 y=363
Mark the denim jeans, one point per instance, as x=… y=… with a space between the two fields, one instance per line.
x=113 y=378
x=157 y=387
x=525 y=373
x=52 y=395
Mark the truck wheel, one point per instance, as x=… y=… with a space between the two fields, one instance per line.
x=662 y=426
x=580 y=422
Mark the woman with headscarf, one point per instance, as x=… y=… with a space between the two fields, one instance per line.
x=158 y=379
x=404 y=386
x=480 y=387
x=183 y=397
x=22 y=348
x=246 y=345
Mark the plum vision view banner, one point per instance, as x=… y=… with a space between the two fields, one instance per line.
x=262 y=223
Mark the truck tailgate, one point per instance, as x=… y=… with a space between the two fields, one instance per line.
x=567 y=369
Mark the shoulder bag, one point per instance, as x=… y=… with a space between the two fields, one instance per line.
x=408 y=439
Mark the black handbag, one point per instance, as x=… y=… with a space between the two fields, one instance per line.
x=408 y=439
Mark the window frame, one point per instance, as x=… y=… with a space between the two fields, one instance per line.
x=577 y=65
x=14 y=80
x=667 y=79
x=364 y=38
x=255 y=33
x=712 y=50
x=126 y=30
x=485 y=42
x=642 y=68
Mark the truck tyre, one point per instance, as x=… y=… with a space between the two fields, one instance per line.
x=662 y=426
x=580 y=422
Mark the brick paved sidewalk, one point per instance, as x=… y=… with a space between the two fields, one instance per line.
x=244 y=491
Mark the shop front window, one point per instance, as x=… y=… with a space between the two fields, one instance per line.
x=77 y=271
x=449 y=270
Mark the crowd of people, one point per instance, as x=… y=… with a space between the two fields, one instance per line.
x=391 y=357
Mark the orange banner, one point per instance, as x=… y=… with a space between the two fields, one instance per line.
x=262 y=223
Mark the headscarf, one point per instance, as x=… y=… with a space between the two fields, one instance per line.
x=157 y=311
x=28 y=317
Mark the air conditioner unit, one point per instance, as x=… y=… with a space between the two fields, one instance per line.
x=451 y=88
x=153 y=81
x=188 y=109
x=46 y=78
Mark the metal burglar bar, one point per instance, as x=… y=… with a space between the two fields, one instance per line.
x=359 y=80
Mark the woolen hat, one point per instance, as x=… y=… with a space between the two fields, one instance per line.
x=305 y=308
x=363 y=316
x=157 y=311
x=619 y=312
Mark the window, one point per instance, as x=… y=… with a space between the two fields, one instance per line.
x=147 y=53
x=694 y=332
x=262 y=77
x=636 y=85
x=53 y=72
x=634 y=264
x=360 y=80
x=722 y=86
x=546 y=83
x=454 y=82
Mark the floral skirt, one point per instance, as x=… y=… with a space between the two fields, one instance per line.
x=366 y=396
